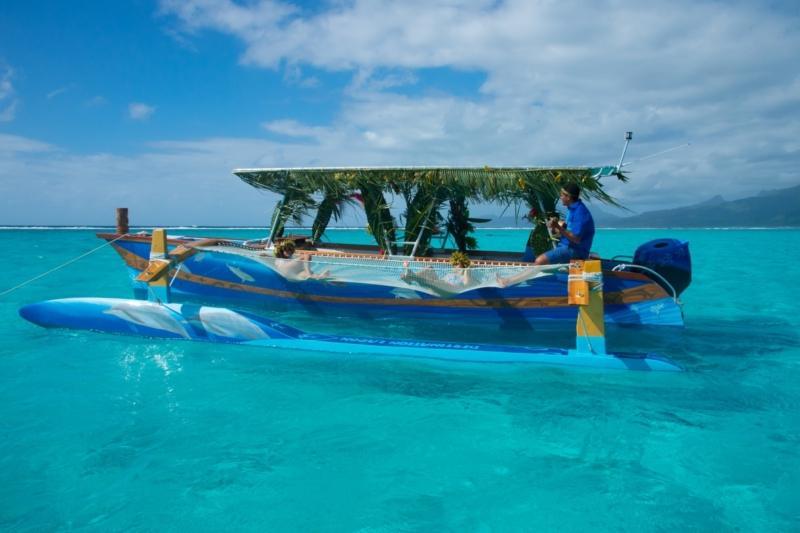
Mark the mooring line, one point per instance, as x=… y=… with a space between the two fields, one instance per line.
x=62 y=265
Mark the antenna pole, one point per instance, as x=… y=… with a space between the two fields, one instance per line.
x=628 y=137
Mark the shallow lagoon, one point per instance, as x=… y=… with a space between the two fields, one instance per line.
x=109 y=433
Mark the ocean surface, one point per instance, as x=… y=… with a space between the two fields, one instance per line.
x=111 y=433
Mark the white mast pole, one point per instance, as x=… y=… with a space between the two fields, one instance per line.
x=628 y=137
x=276 y=213
x=422 y=228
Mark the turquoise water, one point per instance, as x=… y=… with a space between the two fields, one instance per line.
x=105 y=433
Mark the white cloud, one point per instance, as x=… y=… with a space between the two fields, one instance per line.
x=365 y=79
x=14 y=144
x=6 y=88
x=96 y=101
x=56 y=92
x=293 y=75
x=140 y=111
x=8 y=100
x=228 y=15
x=292 y=128
x=9 y=112
x=563 y=80
x=169 y=183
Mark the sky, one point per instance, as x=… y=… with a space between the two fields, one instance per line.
x=150 y=104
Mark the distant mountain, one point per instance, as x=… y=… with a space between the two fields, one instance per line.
x=777 y=208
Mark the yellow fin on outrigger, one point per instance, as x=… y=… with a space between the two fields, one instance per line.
x=585 y=289
x=156 y=275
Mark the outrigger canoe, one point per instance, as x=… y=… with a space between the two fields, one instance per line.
x=222 y=290
x=159 y=318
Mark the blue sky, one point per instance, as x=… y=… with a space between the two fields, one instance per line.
x=150 y=104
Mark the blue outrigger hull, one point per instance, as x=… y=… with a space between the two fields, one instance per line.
x=221 y=325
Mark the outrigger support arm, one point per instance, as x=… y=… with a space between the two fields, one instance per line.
x=157 y=272
x=162 y=260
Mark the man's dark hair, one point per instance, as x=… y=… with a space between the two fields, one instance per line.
x=573 y=190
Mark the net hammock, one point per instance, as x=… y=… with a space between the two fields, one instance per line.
x=408 y=276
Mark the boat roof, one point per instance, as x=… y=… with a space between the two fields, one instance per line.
x=487 y=168
x=265 y=172
x=476 y=182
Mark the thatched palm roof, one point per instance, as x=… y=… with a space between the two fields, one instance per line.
x=482 y=183
x=425 y=190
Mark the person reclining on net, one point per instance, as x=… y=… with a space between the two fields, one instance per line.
x=576 y=234
x=292 y=268
x=450 y=283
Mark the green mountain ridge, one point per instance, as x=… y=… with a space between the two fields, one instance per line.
x=768 y=209
x=776 y=208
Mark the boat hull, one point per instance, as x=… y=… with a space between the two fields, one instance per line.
x=214 y=276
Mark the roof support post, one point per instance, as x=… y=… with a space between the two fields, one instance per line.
x=276 y=215
x=422 y=229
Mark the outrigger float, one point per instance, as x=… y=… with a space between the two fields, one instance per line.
x=158 y=318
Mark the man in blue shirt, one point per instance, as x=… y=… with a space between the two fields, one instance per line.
x=576 y=234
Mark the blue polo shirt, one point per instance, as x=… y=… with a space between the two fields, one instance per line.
x=581 y=224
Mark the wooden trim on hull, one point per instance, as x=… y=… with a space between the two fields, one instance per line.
x=649 y=291
x=193 y=246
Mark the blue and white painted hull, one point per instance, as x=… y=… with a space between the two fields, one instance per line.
x=214 y=276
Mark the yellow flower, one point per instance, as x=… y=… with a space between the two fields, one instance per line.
x=460 y=259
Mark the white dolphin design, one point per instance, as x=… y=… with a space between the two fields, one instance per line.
x=229 y=324
x=241 y=274
x=148 y=315
x=406 y=294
